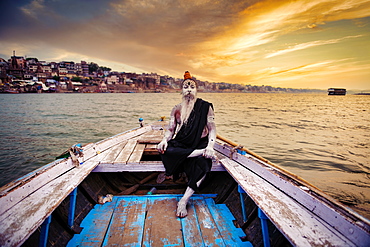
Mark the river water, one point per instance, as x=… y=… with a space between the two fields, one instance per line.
x=323 y=139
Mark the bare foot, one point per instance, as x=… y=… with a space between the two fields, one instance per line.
x=181 y=210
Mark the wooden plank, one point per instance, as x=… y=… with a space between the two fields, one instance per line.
x=322 y=206
x=151 y=149
x=113 y=152
x=126 y=152
x=116 y=226
x=192 y=233
x=299 y=225
x=154 y=136
x=151 y=146
x=35 y=181
x=34 y=209
x=162 y=227
x=17 y=190
x=136 y=154
x=95 y=226
x=210 y=232
x=143 y=166
x=127 y=223
x=95 y=148
x=224 y=221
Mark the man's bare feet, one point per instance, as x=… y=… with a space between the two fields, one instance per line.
x=181 y=210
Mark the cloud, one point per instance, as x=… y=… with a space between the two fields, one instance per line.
x=33 y=8
x=309 y=45
x=215 y=40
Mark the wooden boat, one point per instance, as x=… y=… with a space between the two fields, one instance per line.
x=337 y=91
x=244 y=201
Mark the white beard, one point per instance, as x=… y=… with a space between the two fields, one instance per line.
x=187 y=106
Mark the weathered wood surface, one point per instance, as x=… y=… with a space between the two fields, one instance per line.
x=128 y=159
x=24 y=187
x=142 y=166
x=299 y=225
x=345 y=221
x=28 y=201
x=154 y=136
x=136 y=154
x=151 y=221
x=162 y=227
x=125 y=154
x=17 y=223
x=113 y=152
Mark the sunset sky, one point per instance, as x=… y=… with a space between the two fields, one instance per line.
x=298 y=44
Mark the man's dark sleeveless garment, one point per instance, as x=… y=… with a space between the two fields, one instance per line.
x=185 y=142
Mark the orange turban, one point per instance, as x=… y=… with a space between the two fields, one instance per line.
x=187 y=75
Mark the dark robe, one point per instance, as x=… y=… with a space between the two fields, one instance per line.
x=185 y=142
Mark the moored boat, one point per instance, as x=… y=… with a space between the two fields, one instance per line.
x=337 y=91
x=99 y=197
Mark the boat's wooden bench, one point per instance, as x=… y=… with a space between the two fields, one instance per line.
x=137 y=155
x=151 y=221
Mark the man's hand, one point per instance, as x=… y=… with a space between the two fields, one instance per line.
x=162 y=146
x=209 y=153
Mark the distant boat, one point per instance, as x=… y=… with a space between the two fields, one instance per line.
x=362 y=93
x=337 y=91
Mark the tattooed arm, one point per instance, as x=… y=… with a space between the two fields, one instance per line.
x=211 y=126
x=162 y=146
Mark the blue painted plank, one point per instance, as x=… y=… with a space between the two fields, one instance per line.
x=224 y=221
x=126 y=228
x=210 y=233
x=162 y=227
x=119 y=217
x=235 y=231
x=190 y=227
x=94 y=226
x=150 y=220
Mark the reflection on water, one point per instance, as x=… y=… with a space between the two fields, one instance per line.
x=324 y=139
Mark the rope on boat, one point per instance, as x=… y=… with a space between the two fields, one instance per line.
x=284 y=171
x=73 y=152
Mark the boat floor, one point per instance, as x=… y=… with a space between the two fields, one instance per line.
x=150 y=220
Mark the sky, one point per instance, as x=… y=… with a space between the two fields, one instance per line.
x=298 y=44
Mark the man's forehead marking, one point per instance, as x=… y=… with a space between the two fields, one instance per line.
x=189 y=82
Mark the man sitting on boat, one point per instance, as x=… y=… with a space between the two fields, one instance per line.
x=188 y=143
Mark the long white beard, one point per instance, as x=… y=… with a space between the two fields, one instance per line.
x=187 y=106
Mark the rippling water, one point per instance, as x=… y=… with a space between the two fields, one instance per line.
x=323 y=139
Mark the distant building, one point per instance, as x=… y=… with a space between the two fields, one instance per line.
x=103 y=87
x=16 y=65
x=113 y=79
